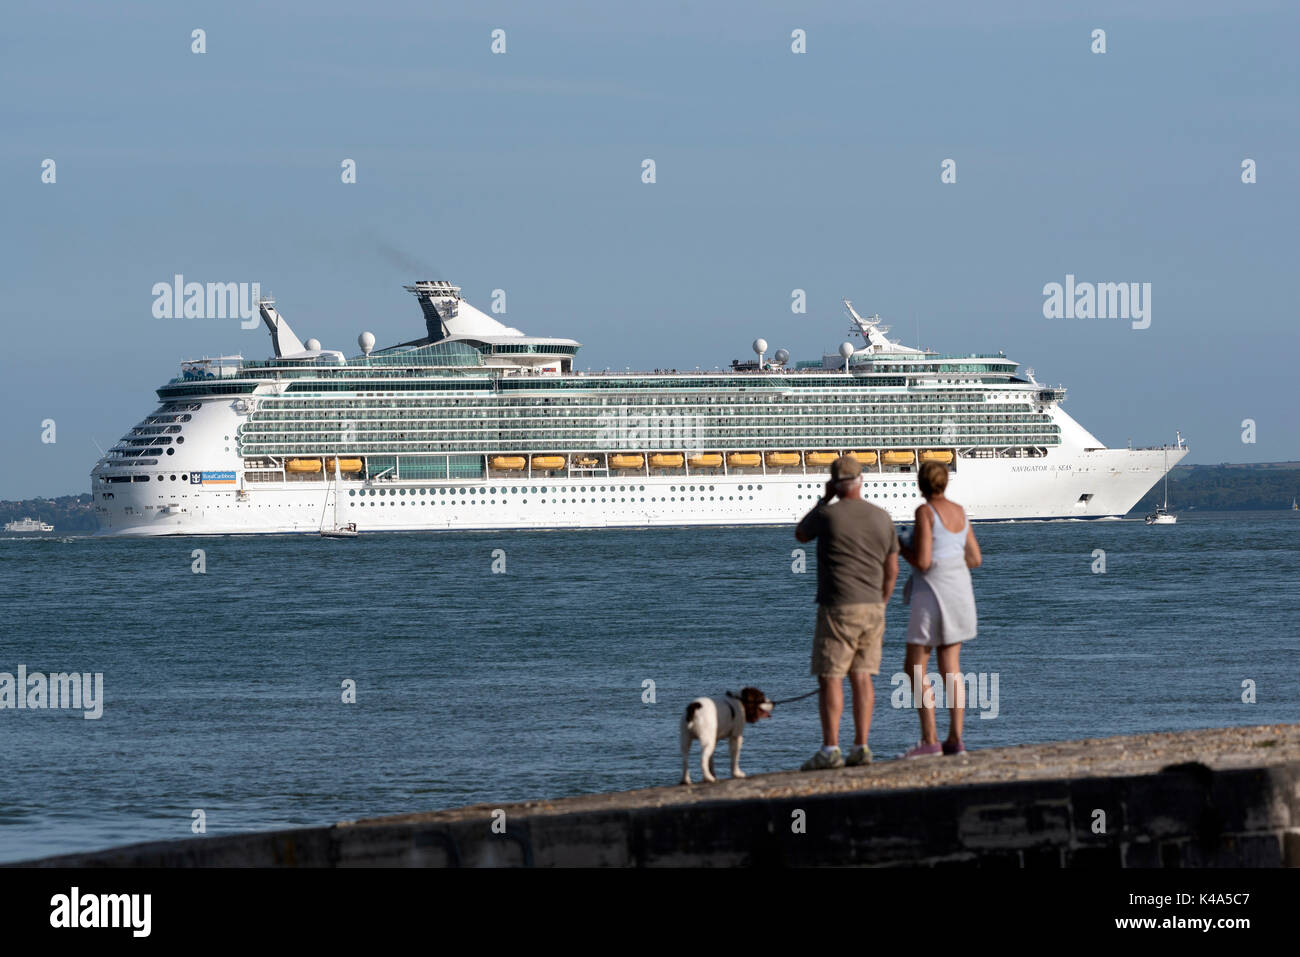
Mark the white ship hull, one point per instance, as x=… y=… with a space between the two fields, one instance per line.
x=1078 y=484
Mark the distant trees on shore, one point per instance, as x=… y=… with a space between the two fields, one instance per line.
x=67 y=513
x=1227 y=488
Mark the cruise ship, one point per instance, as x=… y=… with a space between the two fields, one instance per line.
x=475 y=425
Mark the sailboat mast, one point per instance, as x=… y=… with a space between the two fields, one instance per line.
x=336 y=489
x=1166 y=479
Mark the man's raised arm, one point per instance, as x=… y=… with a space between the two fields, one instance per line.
x=811 y=524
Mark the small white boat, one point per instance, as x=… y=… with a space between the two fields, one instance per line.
x=1162 y=515
x=24 y=525
x=343 y=531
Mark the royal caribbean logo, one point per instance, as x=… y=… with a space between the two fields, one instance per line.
x=212 y=478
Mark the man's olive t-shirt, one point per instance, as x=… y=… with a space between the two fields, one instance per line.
x=854 y=538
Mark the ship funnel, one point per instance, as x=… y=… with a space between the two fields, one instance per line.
x=439 y=301
x=283 y=339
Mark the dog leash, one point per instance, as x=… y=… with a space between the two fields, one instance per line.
x=800 y=698
x=731 y=694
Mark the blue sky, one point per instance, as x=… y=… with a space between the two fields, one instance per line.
x=775 y=172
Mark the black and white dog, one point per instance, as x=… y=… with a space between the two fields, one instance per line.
x=711 y=719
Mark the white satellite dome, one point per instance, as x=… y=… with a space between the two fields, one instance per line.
x=782 y=356
x=760 y=346
x=366 y=341
x=846 y=349
x=312 y=345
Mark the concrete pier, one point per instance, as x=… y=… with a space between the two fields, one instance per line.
x=1227 y=797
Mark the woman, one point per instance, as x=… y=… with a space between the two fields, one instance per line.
x=943 y=550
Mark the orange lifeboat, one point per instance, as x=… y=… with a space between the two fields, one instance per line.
x=666 y=460
x=705 y=460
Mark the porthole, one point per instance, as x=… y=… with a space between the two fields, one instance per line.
x=180 y=440
x=161 y=477
x=171 y=451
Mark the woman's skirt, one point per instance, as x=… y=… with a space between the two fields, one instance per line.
x=943 y=604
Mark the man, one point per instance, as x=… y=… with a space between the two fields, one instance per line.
x=857 y=566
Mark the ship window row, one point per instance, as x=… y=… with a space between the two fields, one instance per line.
x=854 y=399
x=155 y=440
x=590 y=382
x=475 y=445
x=691 y=429
x=638 y=425
x=273 y=445
x=272 y=418
x=340 y=413
x=580 y=501
x=454 y=378
x=588 y=418
x=181 y=390
x=613 y=430
x=513 y=490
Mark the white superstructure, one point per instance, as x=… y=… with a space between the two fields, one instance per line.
x=478 y=426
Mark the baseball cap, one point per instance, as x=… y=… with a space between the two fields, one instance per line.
x=845 y=467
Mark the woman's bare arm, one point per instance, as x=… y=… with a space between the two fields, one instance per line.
x=918 y=554
x=973 y=557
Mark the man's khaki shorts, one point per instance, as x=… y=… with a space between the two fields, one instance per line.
x=848 y=638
